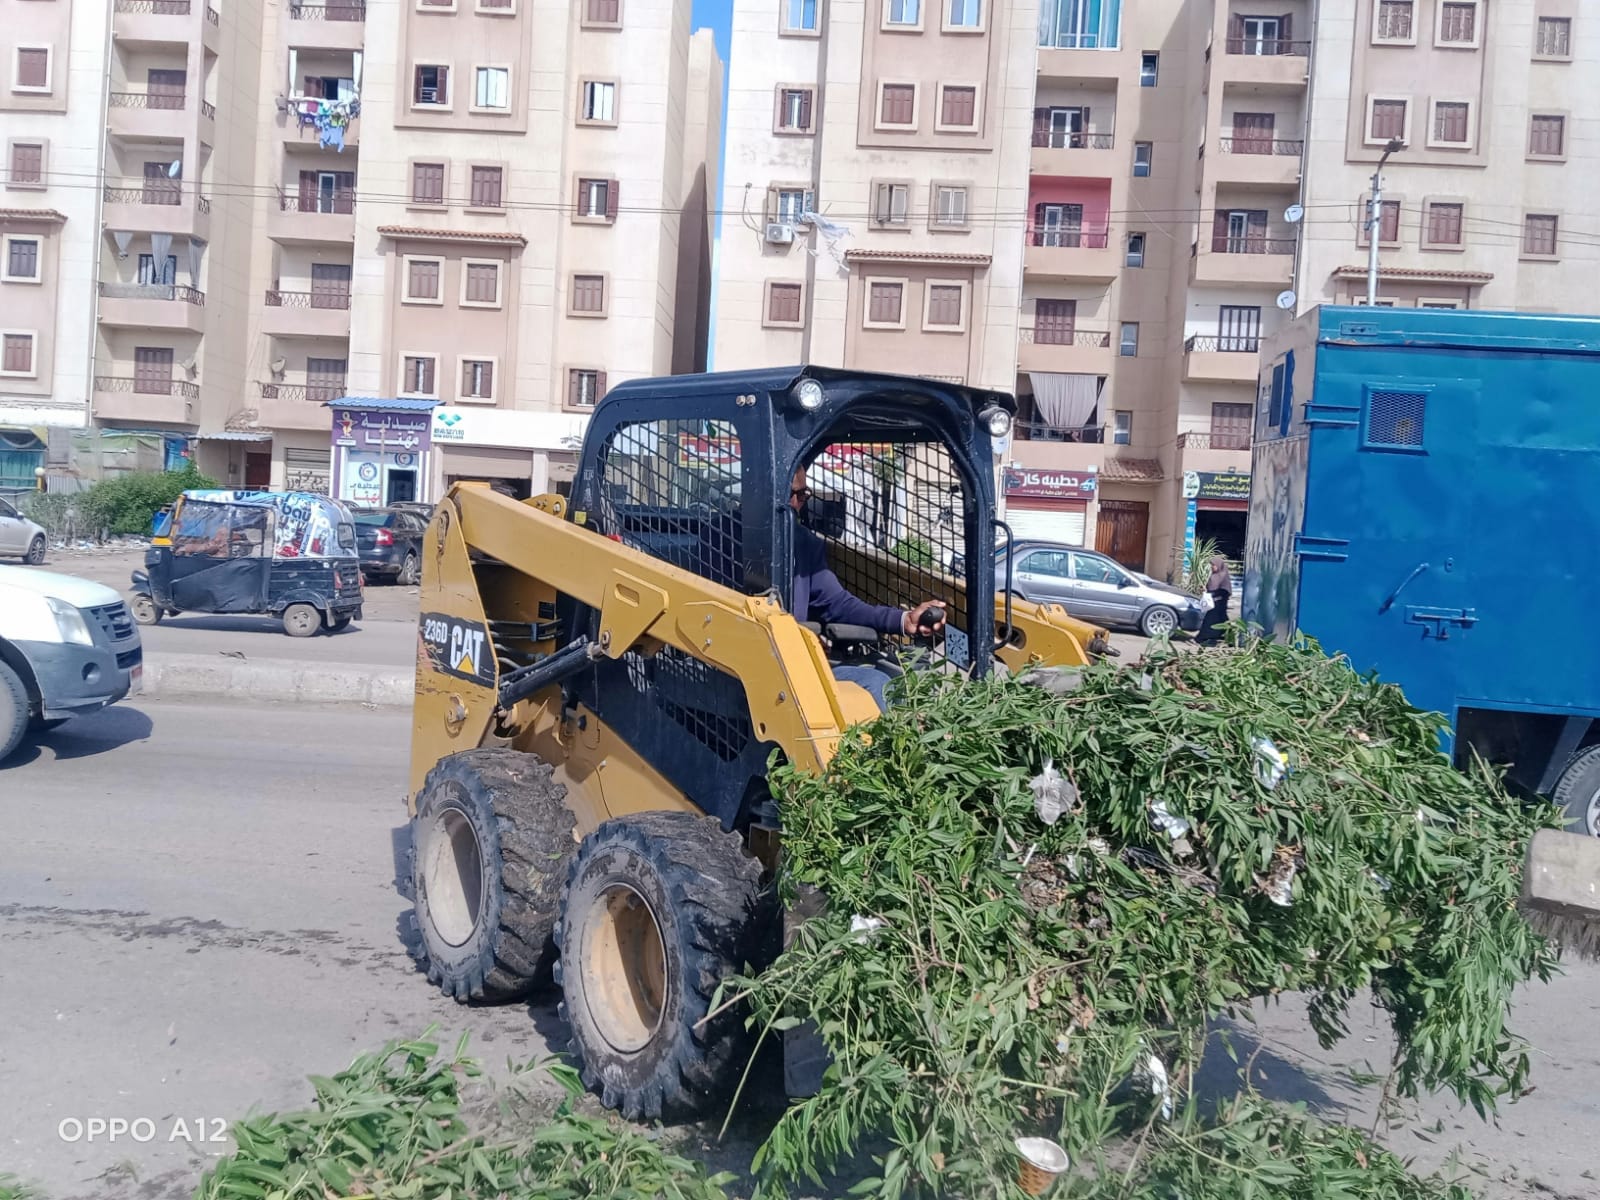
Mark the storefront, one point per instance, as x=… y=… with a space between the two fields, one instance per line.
x=1050 y=506
x=520 y=453
x=1217 y=504
x=382 y=450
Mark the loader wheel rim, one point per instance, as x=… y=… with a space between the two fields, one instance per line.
x=1592 y=816
x=625 y=968
x=453 y=876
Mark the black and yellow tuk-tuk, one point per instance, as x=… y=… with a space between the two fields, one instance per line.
x=290 y=555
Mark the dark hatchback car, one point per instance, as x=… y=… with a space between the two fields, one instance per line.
x=390 y=542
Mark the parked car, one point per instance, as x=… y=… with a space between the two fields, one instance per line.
x=68 y=647
x=1098 y=589
x=19 y=536
x=390 y=542
x=416 y=507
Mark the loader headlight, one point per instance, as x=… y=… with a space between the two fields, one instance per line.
x=809 y=395
x=997 y=421
x=70 y=623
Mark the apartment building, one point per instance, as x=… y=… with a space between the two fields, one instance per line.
x=875 y=180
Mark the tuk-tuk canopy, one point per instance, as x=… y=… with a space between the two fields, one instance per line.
x=302 y=524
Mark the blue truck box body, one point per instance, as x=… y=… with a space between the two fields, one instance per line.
x=1425 y=499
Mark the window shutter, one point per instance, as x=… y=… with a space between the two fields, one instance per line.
x=805 y=110
x=488 y=379
x=444 y=85
x=613 y=197
x=1219 y=230
x=1038 y=224
x=1235 y=31
x=1285 y=32
x=312 y=88
x=599 y=385
x=308 y=191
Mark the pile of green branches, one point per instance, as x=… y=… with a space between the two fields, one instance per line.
x=1232 y=824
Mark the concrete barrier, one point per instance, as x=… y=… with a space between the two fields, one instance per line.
x=197 y=676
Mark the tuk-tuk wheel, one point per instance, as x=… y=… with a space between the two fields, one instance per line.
x=145 y=611
x=338 y=623
x=301 y=620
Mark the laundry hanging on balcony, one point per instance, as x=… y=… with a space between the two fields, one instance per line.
x=330 y=118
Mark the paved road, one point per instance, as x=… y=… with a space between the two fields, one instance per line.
x=198 y=906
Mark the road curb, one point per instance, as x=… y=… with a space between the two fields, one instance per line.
x=198 y=676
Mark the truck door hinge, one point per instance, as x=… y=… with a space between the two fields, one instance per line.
x=1436 y=622
x=1324 y=549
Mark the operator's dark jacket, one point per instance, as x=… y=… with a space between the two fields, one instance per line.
x=819 y=596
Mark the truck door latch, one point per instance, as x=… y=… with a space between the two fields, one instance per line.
x=1436 y=622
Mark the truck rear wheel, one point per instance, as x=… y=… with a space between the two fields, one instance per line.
x=1578 y=791
x=13 y=711
x=658 y=910
x=490 y=847
x=145 y=611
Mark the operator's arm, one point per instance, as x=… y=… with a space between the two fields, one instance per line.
x=828 y=601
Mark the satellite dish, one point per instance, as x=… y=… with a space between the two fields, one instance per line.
x=1293 y=213
x=175 y=169
x=1286 y=299
x=277 y=367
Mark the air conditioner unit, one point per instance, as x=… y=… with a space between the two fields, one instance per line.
x=779 y=234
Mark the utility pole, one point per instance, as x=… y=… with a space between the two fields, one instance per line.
x=1375 y=223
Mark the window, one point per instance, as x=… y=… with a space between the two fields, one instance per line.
x=599 y=101
x=602 y=12
x=958 y=107
x=1539 y=235
x=1080 y=24
x=431 y=87
x=27 y=163
x=1239 y=231
x=1121 y=427
x=492 y=88
x=949 y=207
x=1451 y=121
x=1257 y=35
x=480 y=284
x=486 y=187
x=897 y=104
x=589 y=294
x=166 y=274
x=585 y=388
x=597 y=199
x=1395 y=418
x=1128 y=344
x=152 y=370
x=422 y=280
x=22 y=260
x=1135 y=250
x=1386 y=119
x=902 y=13
x=427 y=183
x=1142 y=152
x=1547 y=136
x=1055 y=322
x=1091 y=568
x=794 y=110
x=1239 y=328
x=1045 y=562
x=1394 y=21
x=1388 y=221
x=945 y=305
x=1230 y=426
x=885 y=303
x=1458 y=23
x=419 y=374
x=1444 y=224
x=1149 y=64
x=789 y=204
x=800 y=16
x=1553 y=39
x=965 y=14
x=891 y=204
x=16 y=358
x=33 y=69
x=783 y=303
x=477 y=379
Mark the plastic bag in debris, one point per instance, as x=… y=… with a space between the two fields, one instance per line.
x=1271 y=764
x=1153 y=1075
x=1161 y=817
x=1053 y=795
x=1278 y=885
x=865 y=927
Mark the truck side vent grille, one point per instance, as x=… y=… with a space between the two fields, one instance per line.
x=1395 y=418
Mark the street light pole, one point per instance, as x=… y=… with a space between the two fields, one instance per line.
x=1375 y=223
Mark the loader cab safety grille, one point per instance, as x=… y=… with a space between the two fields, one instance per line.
x=706 y=704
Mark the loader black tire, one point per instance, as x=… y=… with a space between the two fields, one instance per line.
x=490 y=847
x=658 y=910
x=1578 y=792
x=14 y=708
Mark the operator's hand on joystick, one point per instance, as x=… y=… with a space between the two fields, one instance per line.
x=925 y=620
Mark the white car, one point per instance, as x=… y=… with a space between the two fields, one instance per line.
x=68 y=647
x=20 y=537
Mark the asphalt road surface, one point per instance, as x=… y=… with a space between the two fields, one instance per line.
x=199 y=907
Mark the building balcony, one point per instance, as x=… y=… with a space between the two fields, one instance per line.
x=128 y=398
x=306 y=314
x=165 y=306
x=299 y=134
x=1246 y=261
x=1225 y=454
x=151 y=23
x=312 y=220
x=1078 y=155
x=1075 y=351
x=159 y=116
x=328 y=25
x=1256 y=163
x=1045 y=448
x=295 y=406
x=158 y=207
x=1221 y=359
x=1074 y=58
x=1071 y=254
x=1268 y=66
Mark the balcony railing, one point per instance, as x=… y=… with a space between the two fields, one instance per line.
x=208 y=110
x=1222 y=344
x=162 y=100
x=1249 y=145
x=161 y=8
x=153 y=291
x=213 y=17
x=1062 y=139
x=1094 y=338
x=1268 y=47
x=161 y=196
x=1214 y=440
x=315 y=393
x=356 y=11
x=1071 y=239
x=147 y=387
x=1250 y=244
x=333 y=300
x=339 y=202
x=1043 y=431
